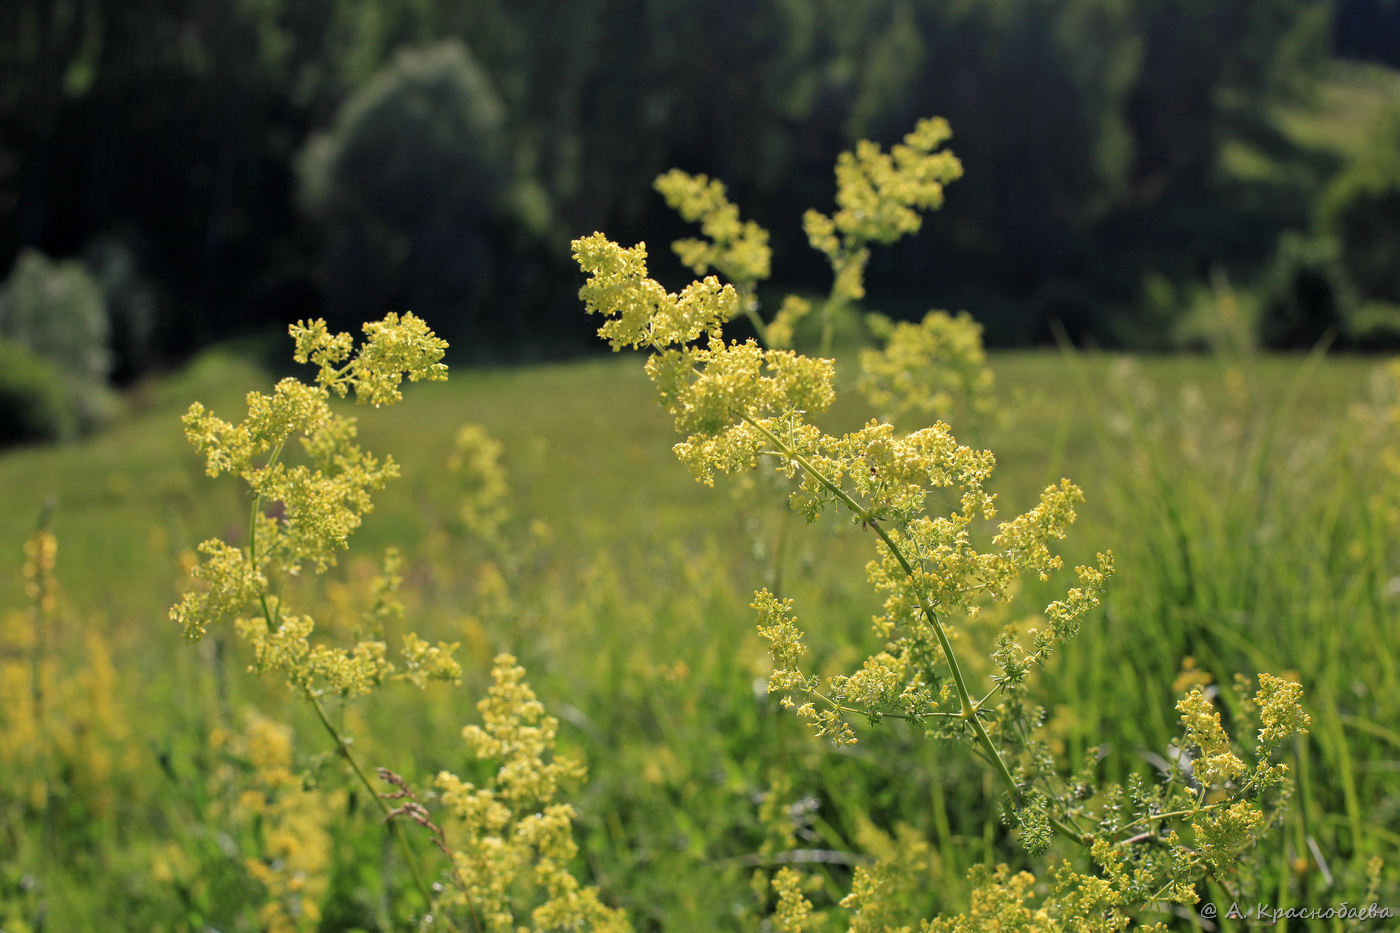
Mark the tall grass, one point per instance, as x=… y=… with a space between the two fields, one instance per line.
x=1240 y=498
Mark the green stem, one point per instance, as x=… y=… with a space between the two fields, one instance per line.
x=780 y=551
x=828 y=327
x=749 y=305
x=861 y=712
x=1194 y=811
x=341 y=743
x=253 y=512
x=969 y=709
x=343 y=747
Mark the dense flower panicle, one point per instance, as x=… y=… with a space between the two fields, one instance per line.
x=707 y=390
x=1280 y=711
x=1223 y=835
x=321 y=509
x=232 y=581
x=511 y=841
x=514 y=831
x=894 y=473
x=320 y=504
x=1069 y=900
x=640 y=312
x=739 y=402
x=516 y=732
x=927 y=369
x=293 y=407
x=879 y=196
x=793 y=913
x=394 y=349
x=783 y=327
x=1217 y=764
x=778 y=626
x=1026 y=540
x=291 y=825
x=1064 y=614
x=931 y=571
x=475 y=464
x=424 y=663
x=737 y=250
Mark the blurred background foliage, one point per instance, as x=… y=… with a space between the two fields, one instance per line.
x=225 y=167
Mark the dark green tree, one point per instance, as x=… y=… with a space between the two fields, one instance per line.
x=411 y=188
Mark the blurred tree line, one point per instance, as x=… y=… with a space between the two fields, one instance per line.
x=228 y=165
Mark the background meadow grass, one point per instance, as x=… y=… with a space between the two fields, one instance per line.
x=1241 y=496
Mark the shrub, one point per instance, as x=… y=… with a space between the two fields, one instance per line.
x=35 y=405
x=56 y=310
x=408 y=186
x=1305 y=294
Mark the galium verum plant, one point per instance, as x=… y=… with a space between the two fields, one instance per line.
x=744 y=405
x=508 y=843
x=322 y=501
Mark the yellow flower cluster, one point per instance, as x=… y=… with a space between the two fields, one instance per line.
x=1233 y=823
x=290 y=823
x=737 y=250
x=1217 y=764
x=737 y=402
x=740 y=406
x=475 y=464
x=62 y=713
x=62 y=717
x=394 y=349
x=320 y=503
x=640 y=312
x=1223 y=835
x=903 y=866
x=793 y=913
x=1279 y=704
x=782 y=329
x=1003 y=900
x=513 y=835
x=40 y=558
x=879 y=196
x=926 y=370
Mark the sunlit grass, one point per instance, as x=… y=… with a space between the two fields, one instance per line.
x=1233 y=493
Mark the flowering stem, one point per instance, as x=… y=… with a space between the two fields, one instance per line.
x=970 y=711
x=342 y=744
x=39 y=662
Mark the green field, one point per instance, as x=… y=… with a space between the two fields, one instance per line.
x=1243 y=498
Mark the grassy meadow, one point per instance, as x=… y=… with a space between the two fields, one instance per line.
x=1245 y=500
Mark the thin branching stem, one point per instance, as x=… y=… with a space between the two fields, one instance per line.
x=343 y=747
x=341 y=742
x=970 y=711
